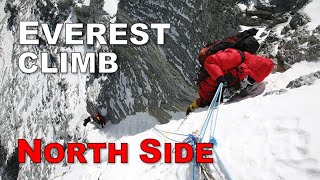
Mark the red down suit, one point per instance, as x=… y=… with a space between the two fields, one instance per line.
x=230 y=61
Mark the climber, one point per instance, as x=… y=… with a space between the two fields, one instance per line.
x=237 y=70
x=97 y=118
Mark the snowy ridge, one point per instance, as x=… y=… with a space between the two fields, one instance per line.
x=265 y=137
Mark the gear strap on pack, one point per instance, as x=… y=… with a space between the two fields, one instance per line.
x=203 y=73
x=243 y=41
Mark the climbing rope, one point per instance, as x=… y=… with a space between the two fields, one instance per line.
x=167 y=132
x=193 y=139
x=216 y=99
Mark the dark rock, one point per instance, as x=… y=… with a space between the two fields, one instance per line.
x=299 y=4
x=157 y=79
x=285 y=29
x=288 y=5
x=265 y=6
x=279 y=19
x=299 y=19
x=3 y=155
x=167 y=70
x=47 y=12
x=263 y=34
x=64 y=5
x=12 y=9
x=272 y=38
x=304 y=80
x=301 y=46
x=276 y=92
x=253 y=21
x=263 y=14
x=11 y=169
x=83 y=13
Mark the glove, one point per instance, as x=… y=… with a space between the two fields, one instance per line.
x=222 y=80
x=192 y=107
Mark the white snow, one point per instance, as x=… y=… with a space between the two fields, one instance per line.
x=6 y=51
x=262 y=137
x=2 y=13
x=313 y=11
x=86 y=2
x=242 y=6
x=252 y=5
x=111 y=6
x=258 y=36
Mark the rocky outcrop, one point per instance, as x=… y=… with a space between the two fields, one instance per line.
x=287 y=40
x=299 y=45
x=277 y=92
x=152 y=78
x=304 y=80
x=11 y=168
x=159 y=78
x=299 y=19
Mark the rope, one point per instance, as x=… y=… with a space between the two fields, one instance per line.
x=162 y=133
x=216 y=119
x=193 y=140
x=210 y=111
x=170 y=132
x=212 y=139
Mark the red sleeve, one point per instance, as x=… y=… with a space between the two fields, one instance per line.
x=222 y=61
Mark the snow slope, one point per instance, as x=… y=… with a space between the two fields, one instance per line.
x=265 y=137
x=312 y=9
x=111 y=6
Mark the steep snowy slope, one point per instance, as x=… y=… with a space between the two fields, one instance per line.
x=49 y=106
x=265 y=137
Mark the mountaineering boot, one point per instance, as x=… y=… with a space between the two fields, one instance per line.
x=192 y=107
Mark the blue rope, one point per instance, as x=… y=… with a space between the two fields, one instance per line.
x=213 y=141
x=210 y=111
x=193 y=140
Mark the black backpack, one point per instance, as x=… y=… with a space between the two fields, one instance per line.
x=243 y=41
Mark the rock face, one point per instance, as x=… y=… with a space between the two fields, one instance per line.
x=304 y=80
x=288 y=5
x=152 y=78
x=159 y=78
x=293 y=42
x=11 y=168
x=277 y=92
x=299 y=45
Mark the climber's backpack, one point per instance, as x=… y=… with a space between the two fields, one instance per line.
x=243 y=41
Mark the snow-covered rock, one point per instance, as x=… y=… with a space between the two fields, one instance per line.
x=154 y=81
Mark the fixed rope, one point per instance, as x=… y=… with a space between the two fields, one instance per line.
x=216 y=99
x=193 y=139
